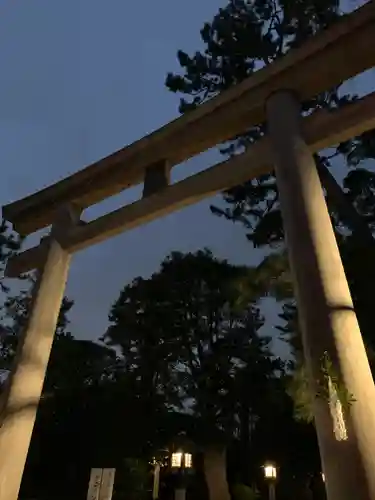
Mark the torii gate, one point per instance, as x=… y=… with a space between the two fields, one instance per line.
x=328 y=320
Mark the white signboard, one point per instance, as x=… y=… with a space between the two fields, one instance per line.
x=94 y=484
x=106 y=489
x=101 y=484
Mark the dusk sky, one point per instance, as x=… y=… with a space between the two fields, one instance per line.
x=79 y=80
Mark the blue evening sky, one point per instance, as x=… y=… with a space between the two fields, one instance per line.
x=80 y=79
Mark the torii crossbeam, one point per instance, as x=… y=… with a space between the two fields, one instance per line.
x=327 y=317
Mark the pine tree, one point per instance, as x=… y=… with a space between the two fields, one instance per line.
x=243 y=37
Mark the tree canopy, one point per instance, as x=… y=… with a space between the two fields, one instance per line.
x=190 y=340
x=188 y=333
x=243 y=37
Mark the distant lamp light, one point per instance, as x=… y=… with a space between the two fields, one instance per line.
x=270 y=471
x=188 y=461
x=181 y=460
x=176 y=461
x=270 y=474
x=323 y=477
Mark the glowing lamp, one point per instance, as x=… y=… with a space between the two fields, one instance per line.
x=188 y=460
x=181 y=460
x=270 y=472
x=176 y=461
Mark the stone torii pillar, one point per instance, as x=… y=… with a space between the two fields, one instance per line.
x=24 y=386
x=328 y=320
